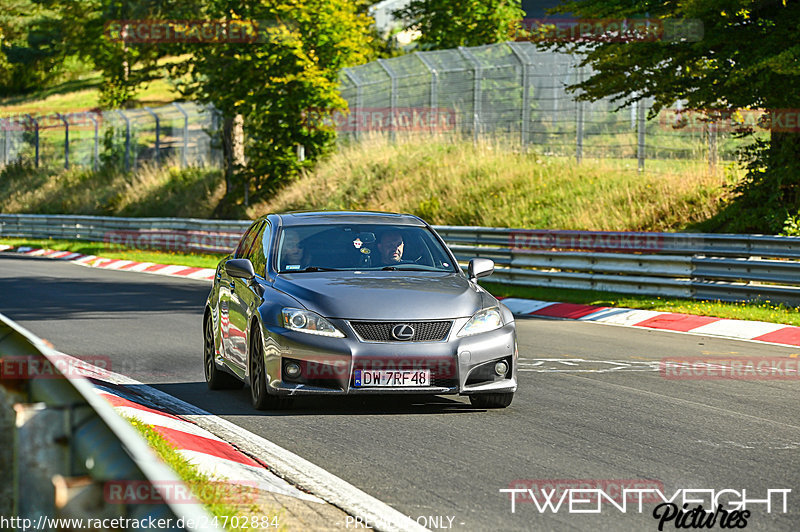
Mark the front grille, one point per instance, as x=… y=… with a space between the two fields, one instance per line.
x=381 y=331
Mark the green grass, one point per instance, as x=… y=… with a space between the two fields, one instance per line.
x=83 y=93
x=114 y=251
x=755 y=310
x=217 y=496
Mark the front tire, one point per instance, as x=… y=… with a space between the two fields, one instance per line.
x=216 y=379
x=491 y=400
x=259 y=396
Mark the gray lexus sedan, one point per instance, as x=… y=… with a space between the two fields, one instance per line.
x=345 y=303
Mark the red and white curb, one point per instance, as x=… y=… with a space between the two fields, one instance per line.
x=209 y=453
x=759 y=331
x=92 y=261
x=225 y=451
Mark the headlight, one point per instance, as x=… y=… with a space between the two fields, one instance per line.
x=484 y=321
x=308 y=322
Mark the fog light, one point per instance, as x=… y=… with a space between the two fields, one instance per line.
x=501 y=368
x=292 y=369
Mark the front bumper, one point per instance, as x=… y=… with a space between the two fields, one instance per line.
x=458 y=365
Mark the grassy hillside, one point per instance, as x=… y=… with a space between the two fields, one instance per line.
x=151 y=191
x=445 y=182
x=462 y=183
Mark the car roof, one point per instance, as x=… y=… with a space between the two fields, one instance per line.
x=366 y=217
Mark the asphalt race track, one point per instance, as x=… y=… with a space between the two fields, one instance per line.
x=592 y=409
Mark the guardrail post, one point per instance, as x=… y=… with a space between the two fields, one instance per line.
x=392 y=98
x=640 y=129
x=184 y=160
x=66 y=140
x=477 y=74
x=158 y=131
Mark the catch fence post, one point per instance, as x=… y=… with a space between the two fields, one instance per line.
x=359 y=96
x=392 y=98
x=5 y=123
x=712 y=144
x=477 y=74
x=434 y=98
x=96 y=154
x=127 y=140
x=158 y=132
x=579 y=123
x=184 y=159
x=525 y=112
x=66 y=140
x=35 y=138
x=640 y=127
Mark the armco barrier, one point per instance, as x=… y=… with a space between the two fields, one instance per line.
x=693 y=265
x=61 y=443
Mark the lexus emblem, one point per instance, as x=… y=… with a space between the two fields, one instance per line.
x=403 y=332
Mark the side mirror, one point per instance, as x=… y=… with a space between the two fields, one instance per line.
x=241 y=268
x=480 y=268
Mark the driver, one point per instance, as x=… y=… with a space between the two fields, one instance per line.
x=390 y=247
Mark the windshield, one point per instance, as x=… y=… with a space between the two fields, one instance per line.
x=327 y=247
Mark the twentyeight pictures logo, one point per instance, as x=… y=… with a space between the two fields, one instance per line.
x=681 y=508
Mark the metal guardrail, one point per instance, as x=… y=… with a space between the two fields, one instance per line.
x=692 y=265
x=62 y=446
x=177 y=234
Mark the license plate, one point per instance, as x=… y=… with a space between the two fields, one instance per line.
x=392 y=378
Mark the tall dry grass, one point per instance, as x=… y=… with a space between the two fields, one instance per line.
x=150 y=191
x=461 y=183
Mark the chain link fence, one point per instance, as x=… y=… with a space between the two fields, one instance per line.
x=184 y=133
x=512 y=92
x=517 y=93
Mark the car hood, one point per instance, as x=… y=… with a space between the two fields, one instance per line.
x=386 y=295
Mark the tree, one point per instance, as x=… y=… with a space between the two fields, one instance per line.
x=748 y=57
x=452 y=23
x=90 y=29
x=27 y=54
x=283 y=79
